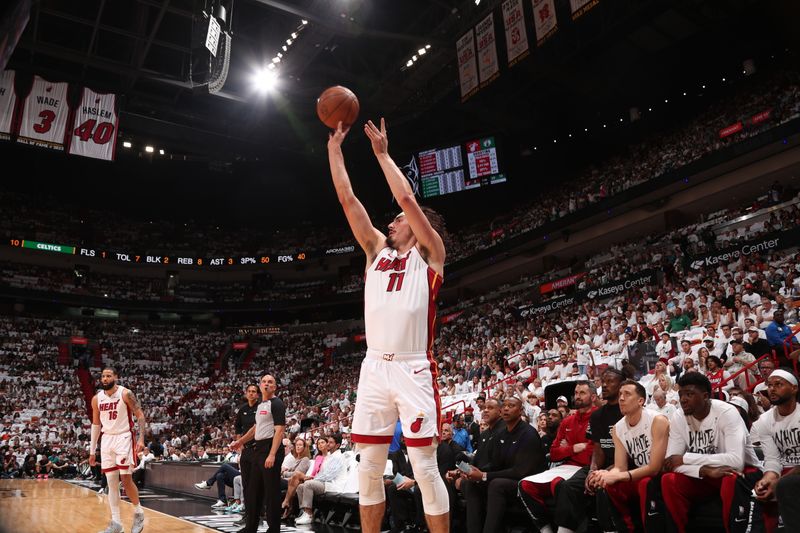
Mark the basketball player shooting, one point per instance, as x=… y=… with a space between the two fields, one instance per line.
x=398 y=375
x=112 y=408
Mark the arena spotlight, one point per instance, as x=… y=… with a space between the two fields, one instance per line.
x=161 y=152
x=149 y=149
x=265 y=80
x=127 y=144
x=304 y=22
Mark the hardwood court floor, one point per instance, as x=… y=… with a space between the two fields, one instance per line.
x=55 y=506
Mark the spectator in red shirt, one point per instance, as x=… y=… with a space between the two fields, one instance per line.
x=571 y=447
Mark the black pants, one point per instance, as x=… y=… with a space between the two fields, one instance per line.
x=222 y=477
x=572 y=501
x=788 y=493
x=403 y=507
x=247 y=463
x=487 y=503
x=263 y=486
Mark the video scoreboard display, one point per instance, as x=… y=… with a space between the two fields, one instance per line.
x=470 y=165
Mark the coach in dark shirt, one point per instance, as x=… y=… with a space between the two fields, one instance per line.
x=485 y=444
x=245 y=419
x=517 y=452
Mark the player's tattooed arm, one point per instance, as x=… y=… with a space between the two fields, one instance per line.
x=138 y=412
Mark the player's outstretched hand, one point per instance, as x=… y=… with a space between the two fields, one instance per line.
x=378 y=137
x=336 y=138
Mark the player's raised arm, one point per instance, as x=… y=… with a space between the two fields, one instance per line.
x=430 y=242
x=370 y=239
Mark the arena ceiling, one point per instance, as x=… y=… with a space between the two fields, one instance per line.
x=615 y=57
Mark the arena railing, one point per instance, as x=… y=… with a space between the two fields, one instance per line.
x=745 y=370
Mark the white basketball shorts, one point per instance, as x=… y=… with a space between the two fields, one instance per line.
x=393 y=386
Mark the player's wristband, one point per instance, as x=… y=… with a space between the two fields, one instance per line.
x=95 y=438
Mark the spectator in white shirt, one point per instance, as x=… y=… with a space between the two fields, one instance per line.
x=660 y=404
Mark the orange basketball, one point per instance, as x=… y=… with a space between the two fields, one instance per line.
x=337 y=103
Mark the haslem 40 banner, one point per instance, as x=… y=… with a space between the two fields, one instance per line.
x=767 y=243
x=608 y=290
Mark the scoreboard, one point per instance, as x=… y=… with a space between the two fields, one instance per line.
x=178 y=258
x=468 y=165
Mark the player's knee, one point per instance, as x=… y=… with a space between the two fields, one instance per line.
x=435 y=499
x=372 y=463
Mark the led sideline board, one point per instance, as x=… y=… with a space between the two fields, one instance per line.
x=469 y=165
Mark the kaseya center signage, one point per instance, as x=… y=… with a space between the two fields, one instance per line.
x=767 y=243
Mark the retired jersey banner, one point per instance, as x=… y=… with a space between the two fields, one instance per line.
x=467 y=65
x=544 y=20
x=516 y=35
x=94 y=130
x=8 y=102
x=487 y=50
x=44 y=115
x=579 y=7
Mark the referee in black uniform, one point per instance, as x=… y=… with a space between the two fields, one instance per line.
x=264 y=483
x=245 y=419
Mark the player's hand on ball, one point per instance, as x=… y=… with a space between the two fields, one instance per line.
x=336 y=138
x=378 y=137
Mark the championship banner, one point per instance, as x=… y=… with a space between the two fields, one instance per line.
x=562 y=283
x=544 y=20
x=467 y=65
x=615 y=288
x=579 y=7
x=767 y=243
x=488 y=69
x=516 y=35
x=44 y=115
x=8 y=102
x=94 y=130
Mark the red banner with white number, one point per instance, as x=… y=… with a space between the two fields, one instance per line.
x=44 y=115
x=94 y=130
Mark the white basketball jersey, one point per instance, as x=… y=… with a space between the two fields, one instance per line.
x=8 y=102
x=637 y=439
x=96 y=123
x=400 y=302
x=115 y=418
x=44 y=115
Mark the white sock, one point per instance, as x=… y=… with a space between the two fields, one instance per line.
x=564 y=530
x=546 y=529
x=113 y=495
x=138 y=508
